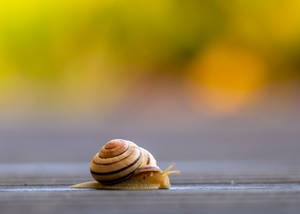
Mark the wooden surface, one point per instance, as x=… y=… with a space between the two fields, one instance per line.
x=203 y=187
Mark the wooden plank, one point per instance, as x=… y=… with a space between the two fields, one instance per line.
x=203 y=187
x=192 y=172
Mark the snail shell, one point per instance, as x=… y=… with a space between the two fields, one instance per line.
x=121 y=164
x=120 y=159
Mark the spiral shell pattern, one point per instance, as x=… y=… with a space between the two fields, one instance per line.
x=119 y=159
x=149 y=163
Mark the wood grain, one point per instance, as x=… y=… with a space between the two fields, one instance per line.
x=203 y=187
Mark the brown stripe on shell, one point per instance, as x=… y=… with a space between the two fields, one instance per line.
x=113 y=148
x=118 y=176
x=113 y=144
x=121 y=169
x=118 y=180
x=149 y=167
x=97 y=163
x=117 y=171
x=148 y=160
x=104 y=161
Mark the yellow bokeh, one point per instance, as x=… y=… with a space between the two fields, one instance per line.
x=77 y=57
x=225 y=78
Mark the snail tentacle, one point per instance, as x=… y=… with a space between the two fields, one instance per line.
x=168 y=172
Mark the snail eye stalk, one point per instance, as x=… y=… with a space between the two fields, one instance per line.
x=168 y=172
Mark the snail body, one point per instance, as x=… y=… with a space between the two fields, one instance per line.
x=121 y=164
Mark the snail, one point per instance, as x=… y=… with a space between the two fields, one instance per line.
x=121 y=164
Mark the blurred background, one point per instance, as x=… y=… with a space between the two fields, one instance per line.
x=187 y=80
